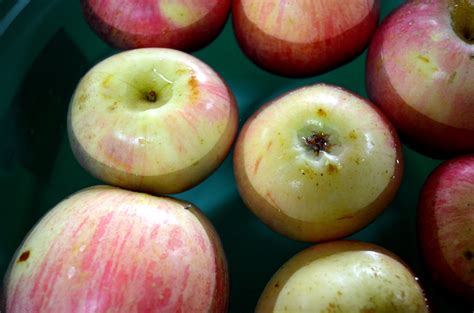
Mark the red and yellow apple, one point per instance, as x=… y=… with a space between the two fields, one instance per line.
x=317 y=163
x=179 y=24
x=420 y=72
x=446 y=225
x=106 y=249
x=303 y=38
x=346 y=277
x=155 y=120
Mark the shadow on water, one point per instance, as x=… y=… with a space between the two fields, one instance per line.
x=34 y=126
x=254 y=252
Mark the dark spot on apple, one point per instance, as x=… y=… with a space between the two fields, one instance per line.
x=188 y=207
x=277 y=285
x=346 y=217
x=339 y=293
x=353 y=135
x=452 y=77
x=322 y=113
x=112 y=107
x=468 y=255
x=106 y=81
x=332 y=169
x=24 y=256
x=194 y=85
x=471 y=57
x=378 y=64
x=181 y=71
x=257 y=165
x=82 y=100
x=424 y=58
x=269 y=145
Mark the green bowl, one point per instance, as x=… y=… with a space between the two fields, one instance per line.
x=45 y=48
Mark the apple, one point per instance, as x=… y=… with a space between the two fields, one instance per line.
x=106 y=249
x=343 y=276
x=179 y=24
x=318 y=163
x=420 y=72
x=155 y=120
x=303 y=38
x=446 y=225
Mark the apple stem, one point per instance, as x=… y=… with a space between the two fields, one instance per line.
x=317 y=142
x=151 y=96
x=462 y=16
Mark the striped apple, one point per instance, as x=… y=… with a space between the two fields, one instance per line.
x=303 y=38
x=155 y=120
x=105 y=249
x=179 y=24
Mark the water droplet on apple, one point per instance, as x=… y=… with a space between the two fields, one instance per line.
x=71 y=272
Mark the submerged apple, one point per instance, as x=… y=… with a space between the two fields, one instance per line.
x=345 y=277
x=420 y=72
x=302 y=38
x=155 y=120
x=446 y=225
x=317 y=163
x=106 y=249
x=179 y=24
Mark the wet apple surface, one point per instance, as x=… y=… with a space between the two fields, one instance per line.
x=303 y=38
x=108 y=249
x=301 y=159
x=46 y=47
x=420 y=72
x=184 y=24
x=134 y=113
x=445 y=222
x=343 y=276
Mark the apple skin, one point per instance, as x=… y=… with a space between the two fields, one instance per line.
x=343 y=276
x=320 y=41
x=161 y=147
x=186 y=25
x=420 y=74
x=312 y=199
x=106 y=249
x=445 y=225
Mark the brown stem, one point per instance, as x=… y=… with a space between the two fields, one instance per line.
x=317 y=142
x=151 y=96
x=462 y=19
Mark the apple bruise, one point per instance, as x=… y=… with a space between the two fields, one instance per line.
x=24 y=256
x=462 y=15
